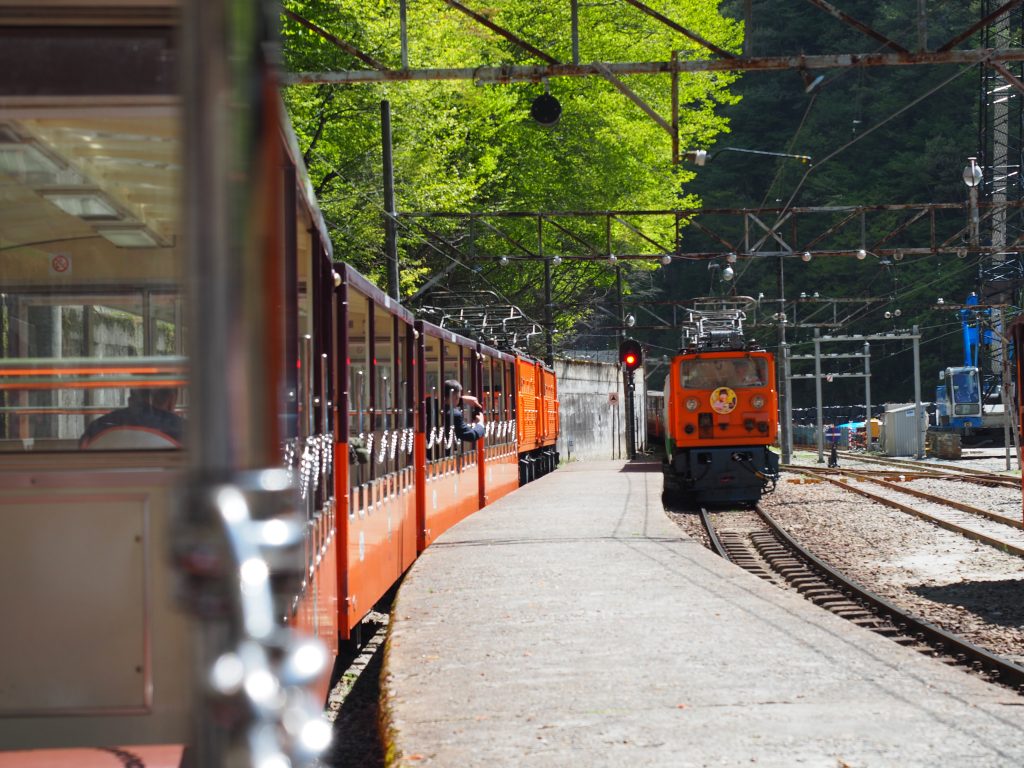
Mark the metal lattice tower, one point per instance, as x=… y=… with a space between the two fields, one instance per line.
x=1001 y=142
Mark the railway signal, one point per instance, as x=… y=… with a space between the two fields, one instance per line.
x=631 y=354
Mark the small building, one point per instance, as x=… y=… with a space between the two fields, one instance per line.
x=899 y=436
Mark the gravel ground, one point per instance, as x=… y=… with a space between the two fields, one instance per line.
x=964 y=586
x=353 y=703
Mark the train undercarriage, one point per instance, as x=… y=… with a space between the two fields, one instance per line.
x=721 y=476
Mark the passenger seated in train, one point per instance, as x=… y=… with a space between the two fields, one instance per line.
x=456 y=402
x=149 y=421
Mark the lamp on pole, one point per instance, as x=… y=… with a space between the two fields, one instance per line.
x=703 y=157
x=972 y=178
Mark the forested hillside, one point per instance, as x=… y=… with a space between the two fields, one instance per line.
x=877 y=136
x=886 y=135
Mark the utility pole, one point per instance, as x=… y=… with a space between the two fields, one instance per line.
x=549 y=322
x=918 y=410
x=785 y=410
x=817 y=393
x=867 y=396
x=390 y=215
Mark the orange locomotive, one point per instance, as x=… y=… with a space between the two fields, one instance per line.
x=721 y=414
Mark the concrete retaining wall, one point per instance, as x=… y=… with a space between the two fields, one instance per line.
x=593 y=415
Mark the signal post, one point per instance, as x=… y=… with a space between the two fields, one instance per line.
x=631 y=357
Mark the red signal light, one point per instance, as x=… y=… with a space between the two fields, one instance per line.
x=631 y=354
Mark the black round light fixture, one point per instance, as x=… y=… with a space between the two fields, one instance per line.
x=546 y=110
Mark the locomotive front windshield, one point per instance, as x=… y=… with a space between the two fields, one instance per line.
x=735 y=372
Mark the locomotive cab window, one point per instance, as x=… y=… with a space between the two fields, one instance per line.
x=723 y=372
x=92 y=335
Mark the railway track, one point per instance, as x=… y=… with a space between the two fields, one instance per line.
x=967 y=474
x=754 y=541
x=988 y=480
x=999 y=531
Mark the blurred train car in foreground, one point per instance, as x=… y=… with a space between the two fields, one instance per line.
x=274 y=454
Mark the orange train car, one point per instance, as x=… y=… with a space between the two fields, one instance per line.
x=538 y=418
x=298 y=369
x=721 y=415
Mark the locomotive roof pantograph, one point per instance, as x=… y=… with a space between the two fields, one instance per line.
x=714 y=331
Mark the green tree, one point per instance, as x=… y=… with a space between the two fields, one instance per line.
x=463 y=146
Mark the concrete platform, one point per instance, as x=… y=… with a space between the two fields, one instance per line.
x=572 y=624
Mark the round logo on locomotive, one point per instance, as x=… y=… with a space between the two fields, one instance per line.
x=723 y=400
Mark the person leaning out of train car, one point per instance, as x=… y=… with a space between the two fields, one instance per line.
x=149 y=421
x=456 y=402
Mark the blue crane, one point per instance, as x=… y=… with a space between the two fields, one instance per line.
x=958 y=397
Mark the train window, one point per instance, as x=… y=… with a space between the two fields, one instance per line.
x=486 y=388
x=360 y=429
x=385 y=398
x=735 y=372
x=403 y=393
x=432 y=395
x=505 y=400
x=92 y=334
x=510 y=397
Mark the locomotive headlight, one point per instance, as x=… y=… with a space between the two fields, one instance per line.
x=757 y=401
x=692 y=403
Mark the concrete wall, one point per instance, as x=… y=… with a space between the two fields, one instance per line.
x=593 y=415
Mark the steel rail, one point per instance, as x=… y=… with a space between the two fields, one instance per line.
x=969 y=533
x=943 y=468
x=924 y=495
x=716 y=543
x=916 y=473
x=1005 y=670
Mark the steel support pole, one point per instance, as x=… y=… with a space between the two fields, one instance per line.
x=574 y=20
x=627 y=376
x=403 y=32
x=785 y=426
x=390 y=215
x=630 y=418
x=917 y=394
x=867 y=396
x=817 y=395
x=1005 y=387
x=787 y=444
x=549 y=322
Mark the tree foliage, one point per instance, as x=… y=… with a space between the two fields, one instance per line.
x=471 y=147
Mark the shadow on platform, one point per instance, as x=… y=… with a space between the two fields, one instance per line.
x=643 y=465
